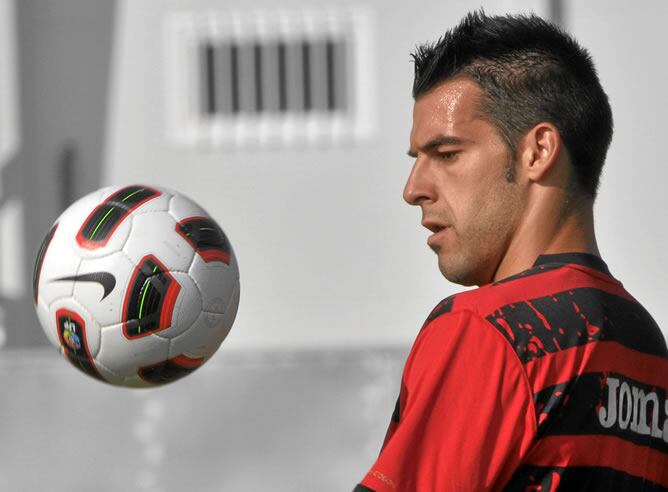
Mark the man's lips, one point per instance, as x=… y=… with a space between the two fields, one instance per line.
x=437 y=236
x=439 y=230
x=434 y=226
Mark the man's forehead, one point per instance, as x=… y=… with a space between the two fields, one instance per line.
x=445 y=109
x=450 y=97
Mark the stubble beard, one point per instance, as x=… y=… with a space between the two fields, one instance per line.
x=477 y=251
x=461 y=266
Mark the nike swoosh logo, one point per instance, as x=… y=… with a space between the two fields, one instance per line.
x=105 y=279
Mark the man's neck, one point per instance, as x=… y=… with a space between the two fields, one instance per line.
x=574 y=233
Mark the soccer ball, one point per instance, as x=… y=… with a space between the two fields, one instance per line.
x=136 y=285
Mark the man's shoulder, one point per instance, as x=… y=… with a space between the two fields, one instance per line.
x=488 y=298
x=552 y=307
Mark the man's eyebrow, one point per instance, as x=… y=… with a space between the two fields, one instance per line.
x=437 y=142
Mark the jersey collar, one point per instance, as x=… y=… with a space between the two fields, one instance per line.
x=585 y=259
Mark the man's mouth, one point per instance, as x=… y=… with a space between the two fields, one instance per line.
x=438 y=229
x=434 y=226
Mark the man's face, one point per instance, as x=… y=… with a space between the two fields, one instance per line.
x=459 y=181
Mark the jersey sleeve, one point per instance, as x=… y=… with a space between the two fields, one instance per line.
x=465 y=416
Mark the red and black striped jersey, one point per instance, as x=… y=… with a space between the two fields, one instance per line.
x=554 y=378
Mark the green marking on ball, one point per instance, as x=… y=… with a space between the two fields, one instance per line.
x=101 y=222
x=143 y=297
x=132 y=194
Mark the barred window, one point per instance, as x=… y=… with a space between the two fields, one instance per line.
x=270 y=77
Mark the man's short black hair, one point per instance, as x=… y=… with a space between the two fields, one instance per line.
x=530 y=71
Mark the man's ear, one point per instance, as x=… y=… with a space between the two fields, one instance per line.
x=539 y=150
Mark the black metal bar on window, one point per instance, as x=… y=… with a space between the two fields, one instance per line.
x=282 y=82
x=331 y=84
x=234 y=69
x=208 y=64
x=258 y=77
x=306 y=64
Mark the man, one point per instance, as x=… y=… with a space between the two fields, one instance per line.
x=549 y=375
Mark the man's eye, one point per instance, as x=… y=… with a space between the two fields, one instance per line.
x=448 y=156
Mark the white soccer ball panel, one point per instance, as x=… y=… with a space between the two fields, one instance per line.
x=108 y=375
x=124 y=357
x=205 y=335
x=108 y=310
x=187 y=307
x=59 y=261
x=155 y=234
x=157 y=203
x=45 y=321
x=216 y=282
x=182 y=208
x=229 y=316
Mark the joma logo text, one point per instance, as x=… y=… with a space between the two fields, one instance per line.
x=630 y=407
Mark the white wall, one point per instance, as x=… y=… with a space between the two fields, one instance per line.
x=329 y=253
x=628 y=43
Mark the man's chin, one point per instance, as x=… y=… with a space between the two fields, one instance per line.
x=460 y=276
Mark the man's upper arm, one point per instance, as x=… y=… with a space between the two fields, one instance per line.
x=466 y=415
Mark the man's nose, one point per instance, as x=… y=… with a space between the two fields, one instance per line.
x=418 y=187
